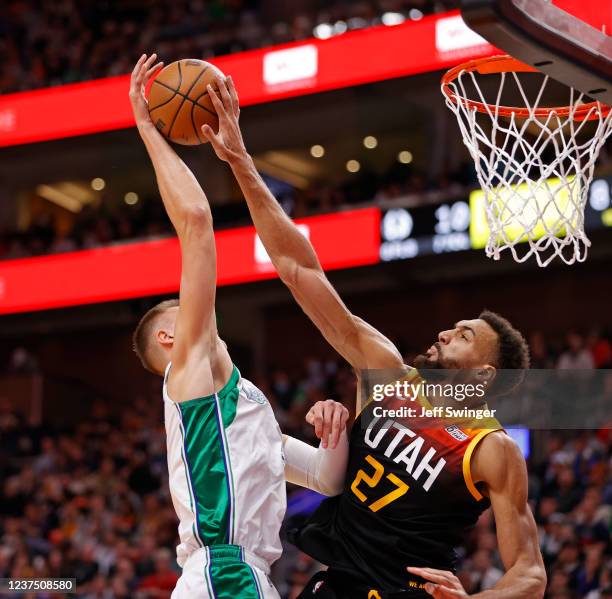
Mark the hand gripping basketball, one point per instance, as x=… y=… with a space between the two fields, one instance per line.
x=141 y=75
x=227 y=143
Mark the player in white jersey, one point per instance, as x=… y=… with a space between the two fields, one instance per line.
x=227 y=458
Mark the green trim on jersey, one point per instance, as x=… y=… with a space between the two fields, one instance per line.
x=227 y=400
x=185 y=464
x=208 y=460
x=231 y=384
x=231 y=577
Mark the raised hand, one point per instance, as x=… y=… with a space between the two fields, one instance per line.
x=329 y=419
x=227 y=143
x=143 y=72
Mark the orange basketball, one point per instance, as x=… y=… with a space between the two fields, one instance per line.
x=179 y=103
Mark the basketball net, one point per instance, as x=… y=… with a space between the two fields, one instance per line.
x=533 y=164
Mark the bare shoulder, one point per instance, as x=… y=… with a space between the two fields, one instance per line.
x=201 y=373
x=191 y=379
x=498 y=460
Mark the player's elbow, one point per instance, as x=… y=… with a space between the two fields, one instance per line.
x=287 y=270
x=330 y=488
x=541 y=581
x=198 y=216
x=194 y=221
x=537 y=582
x=296 y=275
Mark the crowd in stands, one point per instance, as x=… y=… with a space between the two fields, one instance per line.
x=92 y=501
x=53 y=42
x=117 y=222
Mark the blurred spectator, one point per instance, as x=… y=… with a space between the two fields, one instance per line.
x=540 y=354
x=160 y=583
x=576 y=356
x=93 y=502
x=95 y=227
x=484 y=575
x=600 y=348
x=52 y=43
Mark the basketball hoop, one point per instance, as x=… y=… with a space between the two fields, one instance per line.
x=534 y=164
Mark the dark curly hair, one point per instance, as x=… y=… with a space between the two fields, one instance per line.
x=512 y=356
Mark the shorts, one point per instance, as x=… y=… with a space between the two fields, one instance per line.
x=331 y=585
x=224 y=572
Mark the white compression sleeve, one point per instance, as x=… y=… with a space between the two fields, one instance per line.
x=322 y=470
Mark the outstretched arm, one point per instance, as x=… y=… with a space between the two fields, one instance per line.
x=291 y=253
x=195 y=335
x=499 y=464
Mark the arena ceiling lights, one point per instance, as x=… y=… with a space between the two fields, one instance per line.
x=71 y=196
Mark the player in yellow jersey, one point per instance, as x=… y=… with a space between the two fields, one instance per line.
x=410 y=494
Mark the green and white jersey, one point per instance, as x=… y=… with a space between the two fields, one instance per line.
x=226 y=469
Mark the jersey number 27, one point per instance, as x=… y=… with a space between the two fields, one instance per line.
x=372 y=481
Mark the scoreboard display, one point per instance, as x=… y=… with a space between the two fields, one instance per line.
x=411 y=232
x=461 y=225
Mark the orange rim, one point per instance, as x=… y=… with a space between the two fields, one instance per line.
x=507 y=64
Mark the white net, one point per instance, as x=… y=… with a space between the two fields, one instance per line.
x=534 y=166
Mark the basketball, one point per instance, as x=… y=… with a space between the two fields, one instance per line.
x=178 y=101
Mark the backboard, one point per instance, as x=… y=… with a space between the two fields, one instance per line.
x=569 y=40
